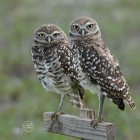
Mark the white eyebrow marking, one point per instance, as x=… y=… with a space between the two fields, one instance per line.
x=56 y=32
x=88 y=23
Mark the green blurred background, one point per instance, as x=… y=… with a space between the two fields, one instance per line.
x=22 y=97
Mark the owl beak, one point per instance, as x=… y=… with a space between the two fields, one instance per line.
x=49 y=39
x=82 y=32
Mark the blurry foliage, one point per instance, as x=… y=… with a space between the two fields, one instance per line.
x=23 y=98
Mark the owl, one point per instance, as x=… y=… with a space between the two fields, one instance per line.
x=97 y=66
x=54 y=66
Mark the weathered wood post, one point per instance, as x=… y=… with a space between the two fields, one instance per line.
x=79 y=126
x=87 y=113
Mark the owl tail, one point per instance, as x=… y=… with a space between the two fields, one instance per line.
x=127 y=96
x=130 y=101
x=132 y=105
x=76 y=98
x=121 y=105
x=76 y=101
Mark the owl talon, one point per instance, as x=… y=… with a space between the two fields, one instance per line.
x=55 y=115
x=61 y=113
x=94 y=123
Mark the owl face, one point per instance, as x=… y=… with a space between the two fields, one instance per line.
x=84 y=27
x=49 y=34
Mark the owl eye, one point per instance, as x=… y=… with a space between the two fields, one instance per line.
x=75 y=27
x=56 y=34
x=90 y=26
x=42 y=35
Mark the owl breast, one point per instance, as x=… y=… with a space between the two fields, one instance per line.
x=82 y=76
x=55 y=79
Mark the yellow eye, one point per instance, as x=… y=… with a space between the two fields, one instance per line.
x=42 y=35
x=90 y=26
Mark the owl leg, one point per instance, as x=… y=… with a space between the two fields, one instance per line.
x=101 y=102
x=61 y=103
x=59 y=110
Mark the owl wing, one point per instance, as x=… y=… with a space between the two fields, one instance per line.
x=104 y=70
x=37 y=58
x=66 y=60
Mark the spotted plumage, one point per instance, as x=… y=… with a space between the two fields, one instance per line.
x=53 y=63
x=98 y=65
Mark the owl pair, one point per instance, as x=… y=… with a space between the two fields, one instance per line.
x=70 y=67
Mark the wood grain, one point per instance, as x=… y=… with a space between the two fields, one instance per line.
x=79 y=127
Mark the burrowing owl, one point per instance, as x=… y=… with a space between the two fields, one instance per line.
x=53 y=63
x=99 y=67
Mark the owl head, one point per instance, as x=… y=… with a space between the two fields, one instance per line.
x=84 y=27
x=49 y=34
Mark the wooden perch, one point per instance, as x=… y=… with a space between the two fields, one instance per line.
x=79 y=127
